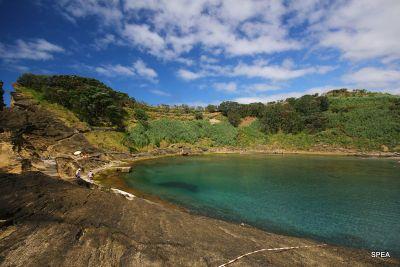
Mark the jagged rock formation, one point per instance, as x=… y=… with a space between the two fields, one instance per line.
x=31 y=135
x=61 y=224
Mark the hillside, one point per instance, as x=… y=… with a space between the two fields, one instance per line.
x=340 y=120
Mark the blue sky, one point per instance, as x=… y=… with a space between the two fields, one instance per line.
x=206 y=51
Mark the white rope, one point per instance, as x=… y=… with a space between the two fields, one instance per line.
x=267 y=249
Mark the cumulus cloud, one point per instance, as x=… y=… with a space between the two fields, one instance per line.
x=362 y=29
x=104 y=42
x=142 y=36
x=283 y=96
x=144 y=71
x=261 y=87
x=372 y=77
x=256 y=69
x=138 y=69
x=107 y=11
x=189 y=75
x=159 y=92
x=37 y=49
x=359 y=29
x=230 y=87
x=276 y=72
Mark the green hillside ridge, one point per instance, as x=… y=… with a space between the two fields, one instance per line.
x=340 y=119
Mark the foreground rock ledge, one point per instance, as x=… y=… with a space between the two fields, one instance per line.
x=45 y=221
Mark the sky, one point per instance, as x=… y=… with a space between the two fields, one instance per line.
x=206 y=51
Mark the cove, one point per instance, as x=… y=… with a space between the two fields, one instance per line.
x=340 y=200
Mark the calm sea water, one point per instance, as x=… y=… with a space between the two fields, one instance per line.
x=341 y=200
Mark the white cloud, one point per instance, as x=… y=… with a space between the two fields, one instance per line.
x=261 y=87
x=105 y=41
x=37 y=49
x=282 y=96
x=138 y=69
x=144 y=71
x=267 y=98
x=159 y=92
x=188 y=75
x=372 y=77
x=108 y=12
x=213 y=25
x=257 y=69
x=170 y=28
x=116 y=70
x=230 y=87
x=142 y=36
x=275 y=72
x=363 y=29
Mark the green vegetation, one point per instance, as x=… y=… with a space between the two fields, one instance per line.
x=68 y=117
x=340 y=119
x=175 y=131
x=93 y=101
x=107 y=140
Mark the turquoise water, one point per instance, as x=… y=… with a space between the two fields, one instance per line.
x=341 y=200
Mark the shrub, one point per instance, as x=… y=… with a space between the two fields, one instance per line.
x=234 y=118
x=91 y=100
x=141 y=116
x=175 y=131
x=198 y=115
x=211 y=108
x=229 y=106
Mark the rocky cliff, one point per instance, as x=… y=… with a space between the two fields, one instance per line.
x=33 y=138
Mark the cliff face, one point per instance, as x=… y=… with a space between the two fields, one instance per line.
x=32 y=138
x=58 y=223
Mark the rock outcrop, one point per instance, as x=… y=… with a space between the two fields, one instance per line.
x=58 y=223
x=30 y=133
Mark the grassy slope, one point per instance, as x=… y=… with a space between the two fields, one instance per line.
x=355 y=122
x=68 y=117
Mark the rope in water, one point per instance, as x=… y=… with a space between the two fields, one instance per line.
x=268 y=249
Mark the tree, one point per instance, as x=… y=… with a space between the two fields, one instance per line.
x=211 y=108
x=228 y=106
x=323 y=103
x=280 y=117
x=234 y=118
x=307 y=105
x=2 y=104
x=252 y=109
x=92 y=100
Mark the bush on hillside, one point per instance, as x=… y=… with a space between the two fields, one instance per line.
x=198 y=115
x=211 y=108
x=91 y=100
x=234 y=118
x=175 y=131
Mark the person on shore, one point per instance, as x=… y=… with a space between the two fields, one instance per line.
x=90 y=176
x=78 y=174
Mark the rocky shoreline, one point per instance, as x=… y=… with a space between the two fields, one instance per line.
x=47 y=219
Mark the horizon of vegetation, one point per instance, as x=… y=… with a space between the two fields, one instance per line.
x=339 y=118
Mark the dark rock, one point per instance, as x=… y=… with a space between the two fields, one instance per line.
x=58 y=223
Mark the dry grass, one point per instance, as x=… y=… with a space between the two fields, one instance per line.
x=107 y=140
x=247 y=121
